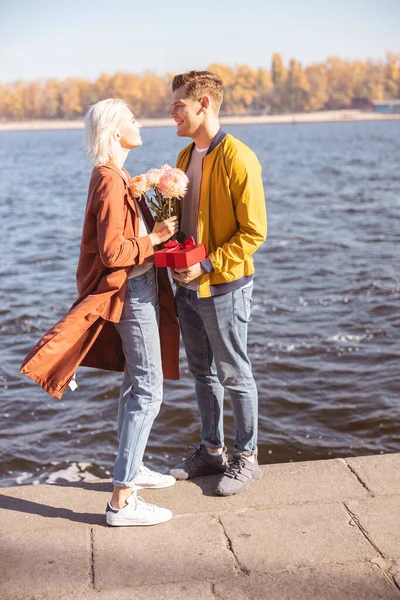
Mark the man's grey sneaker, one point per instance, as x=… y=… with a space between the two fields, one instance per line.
x=151 y=479
x=238 y=476
x=200 y=463
x=136 y=512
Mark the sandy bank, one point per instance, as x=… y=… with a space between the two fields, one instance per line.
x=314 y=117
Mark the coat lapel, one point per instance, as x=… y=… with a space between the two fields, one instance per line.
x=126 y=179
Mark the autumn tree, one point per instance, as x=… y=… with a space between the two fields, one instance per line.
x=263 y=90
x=240 y=95
x=51 y=99
x=392 y=76
x=318 y=86
x=278 y=75
x=339 y=83
x=296 y=89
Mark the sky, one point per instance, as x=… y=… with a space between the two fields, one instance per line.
x=40 y=39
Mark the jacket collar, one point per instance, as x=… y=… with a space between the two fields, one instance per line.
x=122 y=172
x=216 y=140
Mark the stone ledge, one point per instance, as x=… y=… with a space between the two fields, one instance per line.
x=323 y=529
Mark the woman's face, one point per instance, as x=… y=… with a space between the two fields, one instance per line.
x=129 y=130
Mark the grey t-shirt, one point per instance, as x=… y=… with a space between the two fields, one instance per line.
x=190 y=203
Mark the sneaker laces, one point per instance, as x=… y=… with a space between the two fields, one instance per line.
x=235 y=467
x=196 y=453
x=143 y=505
x=143 y=470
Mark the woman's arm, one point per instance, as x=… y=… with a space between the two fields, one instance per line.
x=115 y=250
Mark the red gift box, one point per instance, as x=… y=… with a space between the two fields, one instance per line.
x=180 y=256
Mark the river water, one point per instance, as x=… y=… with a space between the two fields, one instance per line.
x=323 y=338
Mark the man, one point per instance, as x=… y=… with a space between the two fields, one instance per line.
x=224 y=208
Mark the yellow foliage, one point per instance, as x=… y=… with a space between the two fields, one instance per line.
x=333 y=84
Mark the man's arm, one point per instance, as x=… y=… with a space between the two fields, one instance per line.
x=248 y=198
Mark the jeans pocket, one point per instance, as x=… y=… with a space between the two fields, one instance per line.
x=244 y=299
x=136 y=292
x=136 y=284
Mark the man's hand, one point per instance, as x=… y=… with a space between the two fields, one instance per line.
x=187 y=275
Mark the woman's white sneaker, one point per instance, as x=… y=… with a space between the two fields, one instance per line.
x=151 y=479
x=137 y=512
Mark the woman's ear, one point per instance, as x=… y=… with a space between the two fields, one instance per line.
x=116 y=135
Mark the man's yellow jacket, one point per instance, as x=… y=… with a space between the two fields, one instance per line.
x=232 y=219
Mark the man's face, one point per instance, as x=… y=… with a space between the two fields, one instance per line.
x=129 y=130
x=186 y=113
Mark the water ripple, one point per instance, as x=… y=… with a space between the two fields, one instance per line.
x=323 y=338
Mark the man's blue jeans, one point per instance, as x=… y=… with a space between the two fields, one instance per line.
x=214 y=332
x=141 y=391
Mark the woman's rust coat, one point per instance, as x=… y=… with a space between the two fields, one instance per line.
x=87 y=335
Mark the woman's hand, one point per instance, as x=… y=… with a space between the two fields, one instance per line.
x=164 y=230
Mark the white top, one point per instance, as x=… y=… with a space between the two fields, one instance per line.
x=143 y=231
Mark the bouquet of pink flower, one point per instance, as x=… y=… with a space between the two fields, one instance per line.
x=162 y=188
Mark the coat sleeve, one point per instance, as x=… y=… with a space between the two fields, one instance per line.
x=115 y=250
x=248 y=199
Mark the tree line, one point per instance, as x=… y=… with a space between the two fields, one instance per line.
x=284 y=88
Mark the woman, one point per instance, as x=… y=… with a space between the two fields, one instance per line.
x=124 y=317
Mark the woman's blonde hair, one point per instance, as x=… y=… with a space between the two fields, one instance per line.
x=101 y=120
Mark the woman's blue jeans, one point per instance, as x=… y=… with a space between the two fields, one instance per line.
x=214 y=332
x=142 y=386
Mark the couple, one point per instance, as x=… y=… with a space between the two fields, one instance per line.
x=124 y=318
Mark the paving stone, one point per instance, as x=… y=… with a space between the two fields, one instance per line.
x=396 y=577
x=296 y=536
x=289 y=483
x=333 y=582
x=179 y=551
x=380 y=518
x=27 y=508
x=169 y=591
x=393 y=568
x=40 y=565
x=381 y=474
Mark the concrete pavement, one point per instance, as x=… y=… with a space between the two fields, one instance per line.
x=321 y=530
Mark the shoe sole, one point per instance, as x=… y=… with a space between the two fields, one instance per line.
x=124 y=523
x=187 y=476
x=178 y=476
x=158 y=486
x=239 y=491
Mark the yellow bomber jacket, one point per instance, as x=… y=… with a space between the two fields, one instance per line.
x=232 y=219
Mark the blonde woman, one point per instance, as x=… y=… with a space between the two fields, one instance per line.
x=124 y=318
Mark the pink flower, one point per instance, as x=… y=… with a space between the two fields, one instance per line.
x=153 y=176
x=173 y=183
x=139 y=185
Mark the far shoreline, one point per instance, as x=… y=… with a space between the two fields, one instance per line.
x=327 y=116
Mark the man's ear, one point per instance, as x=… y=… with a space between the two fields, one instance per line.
x=205 y=102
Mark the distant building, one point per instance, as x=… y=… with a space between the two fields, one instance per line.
x=386 y=106
x=361 y=103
